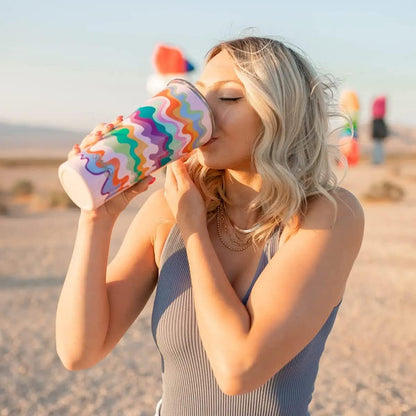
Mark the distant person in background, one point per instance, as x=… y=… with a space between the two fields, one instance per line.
x=350 y=106
x=379 y=129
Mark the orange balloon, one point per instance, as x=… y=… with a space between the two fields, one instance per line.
x=349 y=101
x=170 y=60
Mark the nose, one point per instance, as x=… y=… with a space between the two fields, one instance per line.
x=210 y=99
x=207 y=94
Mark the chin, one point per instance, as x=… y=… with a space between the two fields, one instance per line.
x=208 y=160
x=213 y=164
x=222 y=161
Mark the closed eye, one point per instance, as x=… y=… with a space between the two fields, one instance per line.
x=230 y=98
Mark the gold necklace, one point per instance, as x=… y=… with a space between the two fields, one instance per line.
x=228 y=233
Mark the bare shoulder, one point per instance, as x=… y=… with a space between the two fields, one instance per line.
x=157 y=207
x=339 y=218
x=348 y=200
x=328 y=240
x=153 y=212
x=343 y=211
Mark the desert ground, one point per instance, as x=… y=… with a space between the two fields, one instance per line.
x=368 y=367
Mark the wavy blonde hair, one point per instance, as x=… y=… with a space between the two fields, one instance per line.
x=292 y=153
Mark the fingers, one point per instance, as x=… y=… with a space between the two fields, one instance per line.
x=118 y=120
x=170 y=180
x=177 y=178
x=110 y=126
x=74 y=151
x=180 y=173
x=182 y=196
x=97 y=134
x=107 y=128
x=97 y=128
x=93 y=137
x=139 y=187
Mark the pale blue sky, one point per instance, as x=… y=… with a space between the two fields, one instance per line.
x=76 y=63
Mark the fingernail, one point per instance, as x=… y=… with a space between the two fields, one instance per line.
x=119 y=118
x=152 y=180
x=99 y=133
x=110 y=126
x=76 y=146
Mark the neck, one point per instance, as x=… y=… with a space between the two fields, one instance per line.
x=241 y=189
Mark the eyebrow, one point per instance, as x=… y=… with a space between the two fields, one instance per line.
x=218 y=83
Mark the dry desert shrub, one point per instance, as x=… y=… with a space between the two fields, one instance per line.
x=59 y=199
x=384 y=191
x=4 y=210
x=24 y=197
x=55 y=199
x=22 y=188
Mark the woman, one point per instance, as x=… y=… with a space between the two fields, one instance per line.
x=250 y=246
x=379 y=130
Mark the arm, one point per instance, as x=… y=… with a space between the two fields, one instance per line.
x=291 y=299
x=98 y=304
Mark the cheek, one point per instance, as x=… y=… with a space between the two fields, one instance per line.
x=247 y=125
x=226 y=117
x=235 y=122
x=254 y=120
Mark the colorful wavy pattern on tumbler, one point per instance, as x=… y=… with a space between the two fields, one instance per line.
x=166 y=128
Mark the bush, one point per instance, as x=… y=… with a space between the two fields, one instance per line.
x=59 y=199
x=384 y=191
x=4 y=210
x=23 y=187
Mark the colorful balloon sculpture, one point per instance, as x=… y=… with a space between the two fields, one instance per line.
x=169 y=62
x=350 y=106
x=379 y=107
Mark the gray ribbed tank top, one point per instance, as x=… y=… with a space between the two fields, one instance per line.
x=189 y=386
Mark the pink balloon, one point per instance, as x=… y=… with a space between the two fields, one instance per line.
x=379 y=107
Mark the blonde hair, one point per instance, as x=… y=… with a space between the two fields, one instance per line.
x=292 y=153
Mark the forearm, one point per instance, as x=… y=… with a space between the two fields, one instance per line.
x=223 y=320
x=83 y=309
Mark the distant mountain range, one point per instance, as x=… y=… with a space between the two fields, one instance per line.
x=20 y=136
x=19 y=140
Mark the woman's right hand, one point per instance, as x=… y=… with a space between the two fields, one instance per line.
x=117 y=204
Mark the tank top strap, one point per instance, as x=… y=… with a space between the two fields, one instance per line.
x=269 y=250
x=173 y=243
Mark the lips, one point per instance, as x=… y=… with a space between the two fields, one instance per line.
x=211 y=140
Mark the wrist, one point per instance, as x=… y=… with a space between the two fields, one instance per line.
x=96 y=217
x=189 y=231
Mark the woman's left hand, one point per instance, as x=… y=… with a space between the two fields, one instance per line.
x=184 y=199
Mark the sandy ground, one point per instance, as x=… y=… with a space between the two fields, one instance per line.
x=368 y=368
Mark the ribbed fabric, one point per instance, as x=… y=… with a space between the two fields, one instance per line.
x=189 y=385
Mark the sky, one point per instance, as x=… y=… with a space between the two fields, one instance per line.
x=73 y=64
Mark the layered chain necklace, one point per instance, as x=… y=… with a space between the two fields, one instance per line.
x=232 y=237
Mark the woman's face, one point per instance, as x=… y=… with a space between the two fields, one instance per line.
x=237 y=125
